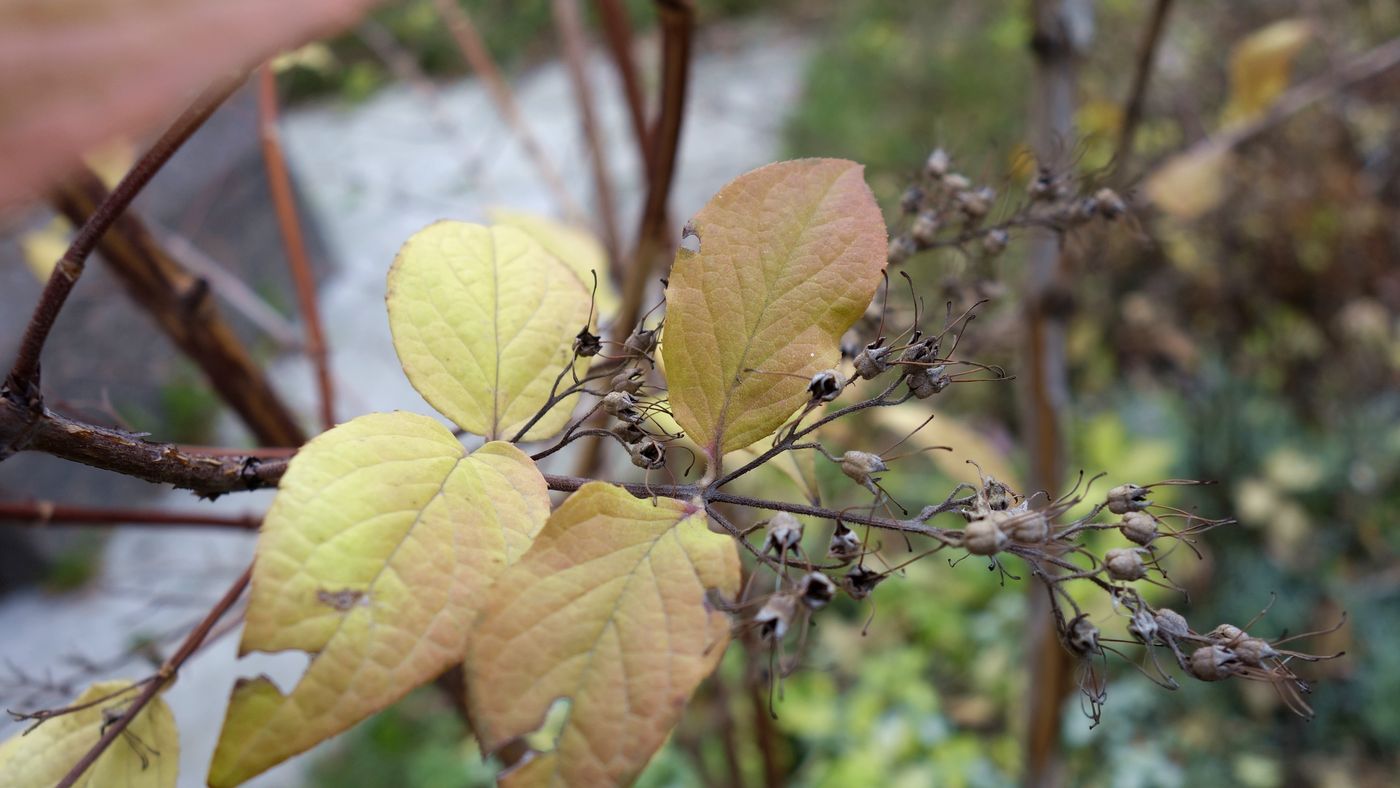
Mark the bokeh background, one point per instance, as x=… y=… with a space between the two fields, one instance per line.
x=1246 y=330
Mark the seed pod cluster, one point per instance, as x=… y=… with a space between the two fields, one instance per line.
x=783 y=533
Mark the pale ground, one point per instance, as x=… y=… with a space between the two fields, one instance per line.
x=373 y=174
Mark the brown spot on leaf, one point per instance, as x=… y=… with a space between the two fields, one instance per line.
x=342 y=600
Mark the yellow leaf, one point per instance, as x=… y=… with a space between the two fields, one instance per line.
x=381 y=542
x=147 y=756
x=315 y=56
x=789 y=256
x=111 y=161
x=576 y=248
x=1190 y=184
x=607 y=610
x=483 y=320
x=1260 y=67
x=44 y=247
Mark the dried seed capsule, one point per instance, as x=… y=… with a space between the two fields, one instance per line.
x=957 y=183
x=1110 y=205
x=871 y=362
x=783 y=533
x=1127 y=498
x=936 y=166
x=912 y=198
x=861 y=467
x=859 y=582
x=1139 y=528
x=844 y=545
x=983 y=537
x=587 y=344
x=902 y=247
x=1226 y=634
x=1213 y=663
x=628 y=381
x=629 y=433
x=1143 y=626
x=995 y=496
x=1025 y=527
x=621 y=406
x=1045 y=186
x=816 y=590
x=1124 y=564
x=976 y=204
x=826 y=385
x=1171 y=623
x=995 y=241
x=925 y=229
x=922 y=351
x=775 y=617
x=1082 y=636
x=924 y=383
x=641 y=343
x=1254 y=651
x=648 y=454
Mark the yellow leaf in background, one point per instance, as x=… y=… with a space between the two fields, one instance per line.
x=315 y=56
x=789 y=257
x=1191 y=183
x=44 y=247
x=608 y=611
x=1261 y=65
x=483 y=320
x=382 y=541
x=576 y=248
x=946 y=430
x=111 y=161
x=149 y=757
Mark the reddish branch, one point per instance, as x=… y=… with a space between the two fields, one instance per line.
x=23 y=380
x=167 y=672
x=294 y=243
x=185 y=310
x=474 y=50
x=42 y=513
x=571 y=40
x=618 y=31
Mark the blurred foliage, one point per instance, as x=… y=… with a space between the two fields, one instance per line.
x=1257 y=344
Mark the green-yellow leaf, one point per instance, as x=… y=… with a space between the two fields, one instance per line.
x=383 y=538
x=147 y=756
x=1191 y=183
x=576 y=248
x=483 y=320
x=1261 y=65
x=608 y=610
x=789 y=256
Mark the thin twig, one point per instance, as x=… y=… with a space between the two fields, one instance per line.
x=474 y=50
x=575 y=49
x=293 y=241
x=23 y=380
x=1137 y=96
x=43 y=513
x=167 y=671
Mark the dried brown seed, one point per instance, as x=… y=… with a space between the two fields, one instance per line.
x=1213 y=663
x=1125 y=564
x=783 y=533
x=1139 y=528
x=648 y=454
x=1082 y=636
x=587 y=344
x=924 y=231
x=628 y=380
x=629 y=433
x=816 y=590
x=983 y=537
x=902 y=247
x=995 y=242
x=844 y=545
x=621 y=406
x=859 y=582
x=775 y=617
x=861 y=467
x=1172 y=624
x=936 y=166
x=872 y=362
x=826 y=385
x=1127 y=498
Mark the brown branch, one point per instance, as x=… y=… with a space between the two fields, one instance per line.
x=294 y=244
x=44 y=513
x=1137 y=95
x=677 y=24
x=121 y=452
x=1056 y=54
x=618 y=31
x=474 y=50
x=167 y=671
x=184 y=309
x=575 y=49
x=23 y=380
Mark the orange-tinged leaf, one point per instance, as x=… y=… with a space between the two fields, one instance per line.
x=383 y=538
x=149 y=757
x=789 y=256
x=608 y=610
x=76 y=73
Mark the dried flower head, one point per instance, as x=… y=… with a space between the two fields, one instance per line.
x=826 y=385
x=816 y=590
